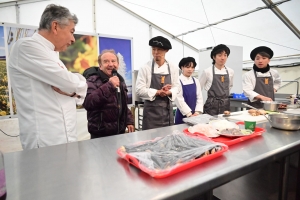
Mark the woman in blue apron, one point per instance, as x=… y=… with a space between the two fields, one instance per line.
x=189 y=101
x=217 y=80
x=261 y=83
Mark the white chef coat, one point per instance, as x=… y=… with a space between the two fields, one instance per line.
x=45 y=116
x=206 y=77
x=181 y=104
x=249 y=82
x=143 y=81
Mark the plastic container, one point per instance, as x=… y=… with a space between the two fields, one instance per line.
x=231 y=140
x=239 y=96
x=174 y=169
x=250 y=125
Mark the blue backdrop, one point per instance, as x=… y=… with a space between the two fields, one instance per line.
x=123 y=47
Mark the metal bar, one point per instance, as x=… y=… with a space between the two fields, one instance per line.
x=230 y=18
x=281 y=170
x=298 y=178
x=152 y=24
x=284 y=176
x=94 y=16
x=150 y=36
x=282 y=17
x=294 y=81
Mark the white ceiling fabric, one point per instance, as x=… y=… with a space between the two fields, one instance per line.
x=261 y=28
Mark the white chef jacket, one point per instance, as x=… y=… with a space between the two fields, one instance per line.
x=181 y=104
x=249 y=82
x=143 y=81
x=206 y=77
x=45 y=116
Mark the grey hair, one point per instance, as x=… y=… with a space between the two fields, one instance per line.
x=107 y=51
x=56 y=13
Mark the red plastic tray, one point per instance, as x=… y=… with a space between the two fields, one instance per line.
x=177 y=168
x=230 y=140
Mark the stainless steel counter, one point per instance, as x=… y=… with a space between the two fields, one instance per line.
x=92 y=169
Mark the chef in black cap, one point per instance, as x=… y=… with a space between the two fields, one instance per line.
x=217 y=81
x=157 y=84
x=260 y=83
x=189 y=100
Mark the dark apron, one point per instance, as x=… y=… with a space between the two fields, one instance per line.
x=158 y=113
x=263 y=86
x=190 y=98
x=218 y=94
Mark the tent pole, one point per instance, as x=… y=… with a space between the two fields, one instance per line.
x=230 y=18
x=282 y=17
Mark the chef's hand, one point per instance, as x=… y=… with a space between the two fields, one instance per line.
x=167 y=87
x=195 y=114
x=165 y=93
x=263 y=98
x=64 y=93
x=130 y=128
x=115 y=81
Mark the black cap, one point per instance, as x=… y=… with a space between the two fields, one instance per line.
x=187 y=60
x=219 y=47
x=257 y=50
x=160 y=42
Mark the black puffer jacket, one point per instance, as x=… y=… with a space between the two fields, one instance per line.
x=104 y=116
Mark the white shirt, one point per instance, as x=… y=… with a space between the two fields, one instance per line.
x=143 y=81
x=206 y=77
x=181 y=104
x=249 y=82
x=45 y=116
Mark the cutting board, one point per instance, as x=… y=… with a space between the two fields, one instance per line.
x=245 y=116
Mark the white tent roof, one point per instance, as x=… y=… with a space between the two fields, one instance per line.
x=261 y=28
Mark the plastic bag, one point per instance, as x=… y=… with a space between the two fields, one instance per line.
x=165 y=154
x=199 y=119
x=206 y=129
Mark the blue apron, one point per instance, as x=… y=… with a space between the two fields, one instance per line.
x=190 y=98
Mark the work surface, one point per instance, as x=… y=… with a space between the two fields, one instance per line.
x=92 y=170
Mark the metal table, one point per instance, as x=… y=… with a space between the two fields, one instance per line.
x=92 y=169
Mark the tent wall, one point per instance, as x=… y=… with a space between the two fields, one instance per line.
x=110 y=20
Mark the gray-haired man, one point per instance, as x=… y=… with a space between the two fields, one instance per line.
x=46 y=93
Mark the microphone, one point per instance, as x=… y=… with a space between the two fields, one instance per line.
x=115 y=73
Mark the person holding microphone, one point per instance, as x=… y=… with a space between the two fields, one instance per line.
x=106 y=99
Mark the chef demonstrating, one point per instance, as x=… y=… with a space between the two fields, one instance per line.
x=217 y=81
x=157 y=83
x=189 y=100
x=46 y=93
x=260 y=83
